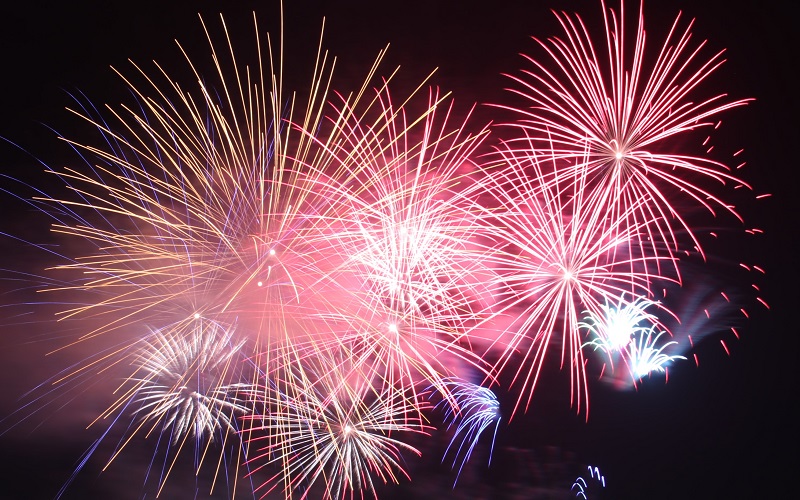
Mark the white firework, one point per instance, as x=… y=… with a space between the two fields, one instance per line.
x=188 y=381
x=645 y=355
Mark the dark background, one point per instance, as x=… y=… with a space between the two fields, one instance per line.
x=723 y=429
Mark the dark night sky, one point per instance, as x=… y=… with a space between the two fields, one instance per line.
x=720 y=430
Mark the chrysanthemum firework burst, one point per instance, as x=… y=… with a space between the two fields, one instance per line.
x=199 y=205
x=188 y=383
x=559 y=253
x=598 y=104
x=335 y=435
x=408 y=243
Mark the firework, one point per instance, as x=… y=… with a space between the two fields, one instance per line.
x=613 y=330
x=615 y=119
x=409 y=256
x=280 y=283
x=189 y=385
x=195 y=207
x=476 y=410
x=335 y=428
x=558 y=253
x=645 y=354
x=581 y=486
x=410 y=235
x=183 y=380
x=628 y=334
x=200 y=205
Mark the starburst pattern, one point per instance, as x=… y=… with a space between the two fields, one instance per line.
x=337 y=429
x=410 y=233
x=185 y=382
x=597 y=103
x=407 y=240
x=558 y=255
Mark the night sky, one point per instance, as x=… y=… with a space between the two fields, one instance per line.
x=723 y=429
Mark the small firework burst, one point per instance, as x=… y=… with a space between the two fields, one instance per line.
x=626 y=333
x=189 y=384
x=475 y=409
x=646 y=355
x=612 y=331
x=334 y=429
x=582 y=487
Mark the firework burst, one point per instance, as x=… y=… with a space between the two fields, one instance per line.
x=335 y=429
x=280 y=282
x=613 y=330
x=200 y=205
x=646 y=355
x=477 y=408
x=189 y=382
x=183 y=383
x=614 y=118
x=559 y=252
x=196 y=209
x=410 y=241
x=626 y=333
x=409 y=257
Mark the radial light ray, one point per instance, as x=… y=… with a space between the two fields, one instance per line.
x=601 y=104
x=559 y=252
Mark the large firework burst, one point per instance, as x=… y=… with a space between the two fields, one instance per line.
x=559 y=253
x=410 y=234
x=600 y=105
x=199 y=205
x=194 y=206
x=408 y=242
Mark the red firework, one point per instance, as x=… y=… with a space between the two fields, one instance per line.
x=559 y=253
x=598 y=104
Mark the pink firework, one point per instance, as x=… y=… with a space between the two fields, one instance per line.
x=616 y=119
x=409 y=258
x=559 y=253
x=196 y=207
